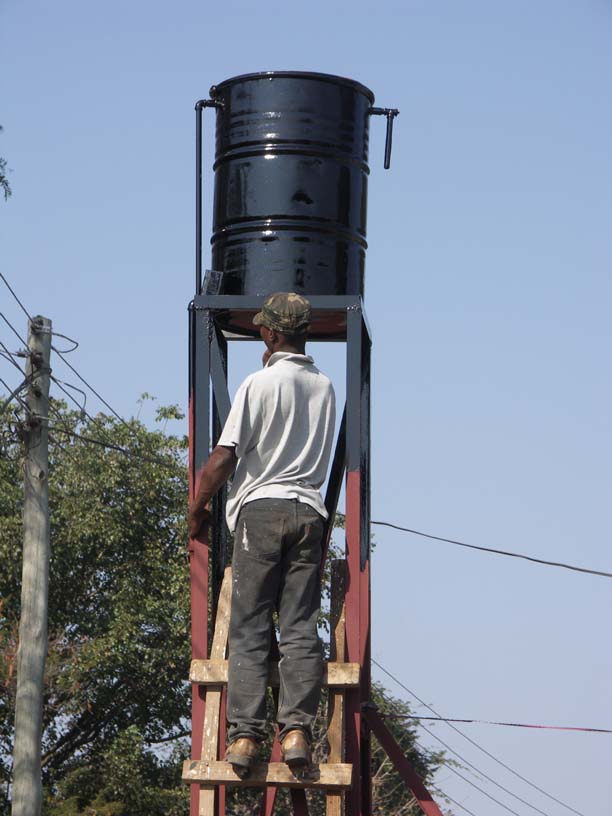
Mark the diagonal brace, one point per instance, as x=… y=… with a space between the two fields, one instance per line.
x=399 y=760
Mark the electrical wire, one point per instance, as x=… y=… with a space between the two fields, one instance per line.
x=75 y=388
x=476 y=745
x=70 y=340
x=111 y=446
x=13 y=394
x=484 y=792
x=11 y=290
x=92 y=441
x=70 y=366
x=93 y=420
x=483 y=774
x=66 y=450
x=92 y=389
x=454 y=802
x=12 y=354
x=13 y=329
x=471 y=765
x=504 y=724
x=496 y=552
x=102 y=443
x=9 y=356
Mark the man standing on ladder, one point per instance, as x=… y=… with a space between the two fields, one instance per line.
x=278 y=439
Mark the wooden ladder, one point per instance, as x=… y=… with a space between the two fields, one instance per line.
x=333 y=776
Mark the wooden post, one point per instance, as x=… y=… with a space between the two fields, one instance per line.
x=32 y=650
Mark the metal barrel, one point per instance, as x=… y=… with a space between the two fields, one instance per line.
x=290 y=193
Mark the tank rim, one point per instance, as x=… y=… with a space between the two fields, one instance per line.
x=332 y=78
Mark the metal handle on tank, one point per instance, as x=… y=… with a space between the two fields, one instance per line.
x=200 y=104
x=390 y=113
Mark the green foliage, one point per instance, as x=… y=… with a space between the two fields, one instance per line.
x=116 y=689
x=4 y=183
x=117 y=704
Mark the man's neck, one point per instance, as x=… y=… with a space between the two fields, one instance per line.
x=291 y=349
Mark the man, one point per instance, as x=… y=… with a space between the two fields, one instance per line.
x=278 y=439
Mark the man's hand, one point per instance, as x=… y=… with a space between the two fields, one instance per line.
x=221 y=464
x=197 y=518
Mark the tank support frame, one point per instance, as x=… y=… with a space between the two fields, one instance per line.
x=339 y=318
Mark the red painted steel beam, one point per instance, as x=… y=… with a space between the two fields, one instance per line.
x=357 y=643
x=357 y=599
x=299 y=802
x=269 y=796
x=198 y=571
x=401 y=763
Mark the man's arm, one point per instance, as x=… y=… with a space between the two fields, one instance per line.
x=217 y=470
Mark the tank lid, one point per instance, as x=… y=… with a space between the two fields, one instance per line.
x=336 y=80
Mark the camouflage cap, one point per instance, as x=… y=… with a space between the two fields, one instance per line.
x=285 y=312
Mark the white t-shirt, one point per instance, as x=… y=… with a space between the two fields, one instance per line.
x=282 y=426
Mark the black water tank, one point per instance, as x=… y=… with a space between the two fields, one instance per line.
x=291 y=171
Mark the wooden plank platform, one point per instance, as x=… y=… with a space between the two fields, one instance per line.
x=326 y=775
x=214 y=673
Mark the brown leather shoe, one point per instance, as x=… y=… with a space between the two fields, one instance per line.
x=242 y=754
x=296 y=750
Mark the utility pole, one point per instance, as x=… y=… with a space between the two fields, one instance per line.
x=32 y=650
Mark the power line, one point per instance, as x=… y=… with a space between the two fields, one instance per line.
x=12 y=291
x=14 y=394
x=52 y=332
x=60 y=384
x=110 y=446
x=101 y=443
x=496 y=552
x=97 y=423
x=13 y=329
x=67 y=452
x=92 y=389
x=482 y=773
x=471 y=765
x=484 y=792
x=450 y=799
x=93 y=441
x=76 y=388
x=62 y=353
x=505 y=724
x=9 y=356
x=475 y=744
x=70 y=340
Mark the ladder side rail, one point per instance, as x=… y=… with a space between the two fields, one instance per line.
x=209 y=803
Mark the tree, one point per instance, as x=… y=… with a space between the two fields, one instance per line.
x=118 y=616
x=117 y=703
x=4 y=183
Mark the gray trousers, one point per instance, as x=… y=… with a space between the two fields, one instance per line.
x=277 y=557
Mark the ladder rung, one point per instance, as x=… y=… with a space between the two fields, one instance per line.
x=214 y=673
x=331 y=776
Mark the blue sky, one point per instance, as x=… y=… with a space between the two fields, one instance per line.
x=487 y=287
